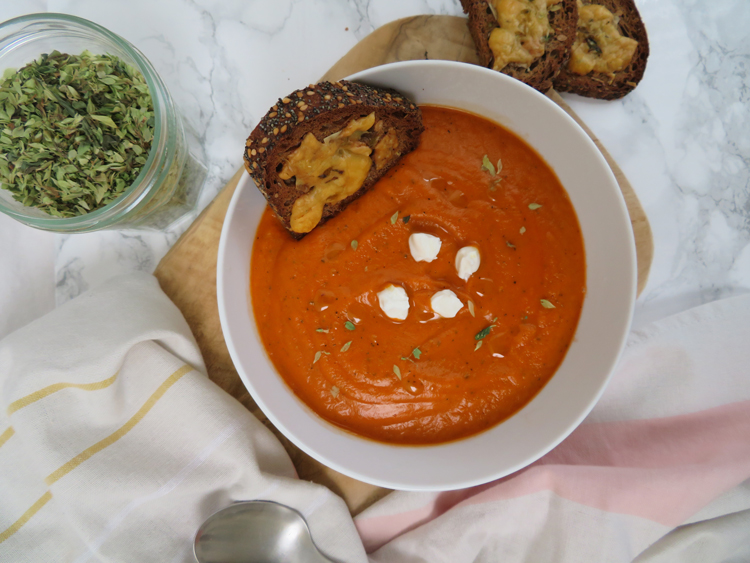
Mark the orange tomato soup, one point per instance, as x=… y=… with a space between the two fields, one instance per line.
x=427 y=379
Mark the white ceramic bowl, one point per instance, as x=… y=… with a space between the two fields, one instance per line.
x=599 y=339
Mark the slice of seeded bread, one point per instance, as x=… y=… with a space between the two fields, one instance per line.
x=604 y=86
x=323 y=109
x=541 y=72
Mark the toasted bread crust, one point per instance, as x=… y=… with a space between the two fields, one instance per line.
x=323 y=109
x=603 y=86
x=542 y=72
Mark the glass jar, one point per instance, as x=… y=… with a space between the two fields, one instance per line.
x=170 y=182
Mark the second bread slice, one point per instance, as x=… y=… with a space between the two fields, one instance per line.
x=539 y=74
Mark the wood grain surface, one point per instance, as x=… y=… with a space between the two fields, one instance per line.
x=187 y=273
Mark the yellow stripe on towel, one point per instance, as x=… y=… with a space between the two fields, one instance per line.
x=25 y=517
x=127 y=427
x=5 y=436
x=42 y=393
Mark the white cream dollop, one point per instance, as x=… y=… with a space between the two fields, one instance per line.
x=446 y=304
x=394 y=302
x=424 y=247
x=467 y=262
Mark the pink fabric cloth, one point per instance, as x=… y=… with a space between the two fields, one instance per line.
x=668 y=444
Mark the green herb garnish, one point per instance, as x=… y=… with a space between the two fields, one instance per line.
x=483 y=333
x=416 y=353
x=345 y=347
x=406 y=219
x=394 y=218
x=593 y=45
x=349 y=325
x=354 y=244
x=75 y=131
x=487 y=165
x=478 y=346
x=397 y=371
x=319 y=354
x=510 y=245
x=321 y=330
x=534 y=206
x=546 y=304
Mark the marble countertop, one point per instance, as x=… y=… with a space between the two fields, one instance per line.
x=681 y=137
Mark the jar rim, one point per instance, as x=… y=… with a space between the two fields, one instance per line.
x=110 y=213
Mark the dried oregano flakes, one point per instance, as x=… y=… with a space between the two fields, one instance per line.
x=75 y=131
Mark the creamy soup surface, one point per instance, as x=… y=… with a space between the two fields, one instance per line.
x=428 y=378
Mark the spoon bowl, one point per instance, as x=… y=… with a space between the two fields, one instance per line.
x=256 y=531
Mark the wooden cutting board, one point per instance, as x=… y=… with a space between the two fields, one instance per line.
x=187 y=273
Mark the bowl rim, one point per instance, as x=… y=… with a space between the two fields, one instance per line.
x=629 y=259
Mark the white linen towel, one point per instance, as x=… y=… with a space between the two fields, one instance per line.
x=115 y=446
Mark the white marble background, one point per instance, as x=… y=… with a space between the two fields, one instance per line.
x=682 y=138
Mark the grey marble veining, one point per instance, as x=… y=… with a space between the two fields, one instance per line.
x=681 y=137
x=707 y=157
x=682 y=140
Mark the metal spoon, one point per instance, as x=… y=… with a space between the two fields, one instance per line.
x=257 y=531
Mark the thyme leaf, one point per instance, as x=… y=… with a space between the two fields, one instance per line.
x=483 y=333
x=593 y=45
x=487 y=165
